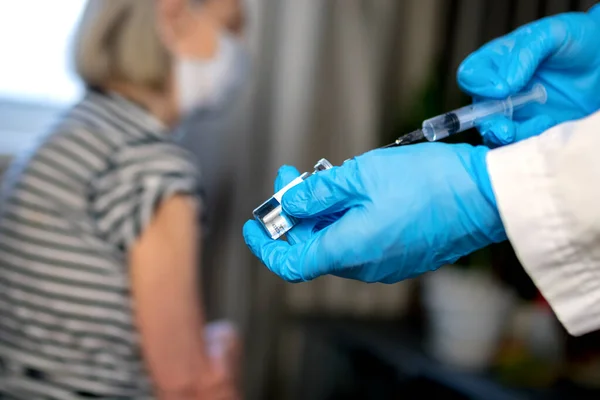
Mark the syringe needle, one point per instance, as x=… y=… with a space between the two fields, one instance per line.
x=393 y=144
x=408 y=138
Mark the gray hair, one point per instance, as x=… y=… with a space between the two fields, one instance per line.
x=118 y=40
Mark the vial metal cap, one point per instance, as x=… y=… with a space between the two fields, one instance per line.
x=322 y=165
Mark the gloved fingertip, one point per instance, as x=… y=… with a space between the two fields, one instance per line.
x=285 y=175
x=274 y=254
x=498 y=131
x=594 y=11
x=483 y=84
x=253 y=235
x=478 y=75
x=287 y=169
x=246 y=228
x=247 y=231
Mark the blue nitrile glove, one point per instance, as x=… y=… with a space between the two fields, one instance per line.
x=561 y=52
x=408 y=210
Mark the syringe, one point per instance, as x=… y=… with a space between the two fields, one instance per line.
x=467 y=117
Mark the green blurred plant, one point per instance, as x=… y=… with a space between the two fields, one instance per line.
x=428 y=102
x=479 y=259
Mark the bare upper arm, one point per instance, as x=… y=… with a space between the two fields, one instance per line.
x=173 y=235
x=164 y=280
x=167 y=252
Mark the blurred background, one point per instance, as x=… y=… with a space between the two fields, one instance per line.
x=335 y=78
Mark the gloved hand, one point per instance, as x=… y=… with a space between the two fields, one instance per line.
x=406 y=210
x=561 y=52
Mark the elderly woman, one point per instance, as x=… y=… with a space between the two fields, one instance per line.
x=99 y=240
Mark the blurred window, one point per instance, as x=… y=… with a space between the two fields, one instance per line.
x=36 y=82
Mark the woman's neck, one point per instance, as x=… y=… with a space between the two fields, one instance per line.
x=158 y=104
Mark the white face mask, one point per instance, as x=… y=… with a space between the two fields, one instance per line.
x=213 y=82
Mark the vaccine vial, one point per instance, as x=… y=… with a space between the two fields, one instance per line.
x=270 y=214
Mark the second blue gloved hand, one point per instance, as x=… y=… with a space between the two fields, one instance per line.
x=400 y=212
x=561 y=52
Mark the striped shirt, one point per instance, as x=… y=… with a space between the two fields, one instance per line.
x=71 y=208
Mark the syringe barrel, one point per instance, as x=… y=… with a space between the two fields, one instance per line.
x=464 y=118
x=440 y=127
x=467 y=117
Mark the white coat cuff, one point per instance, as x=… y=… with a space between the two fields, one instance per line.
x=539 y=228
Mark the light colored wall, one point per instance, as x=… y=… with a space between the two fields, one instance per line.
x=20 y=124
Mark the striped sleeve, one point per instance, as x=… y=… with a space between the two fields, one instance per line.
x=125 y=197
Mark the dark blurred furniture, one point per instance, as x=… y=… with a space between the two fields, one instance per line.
x=348 y=360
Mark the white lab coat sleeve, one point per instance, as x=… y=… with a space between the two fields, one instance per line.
x=548 y=193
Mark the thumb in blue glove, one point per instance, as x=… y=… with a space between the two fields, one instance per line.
x=400 y=212
x=561 y=52
x=305 y=228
